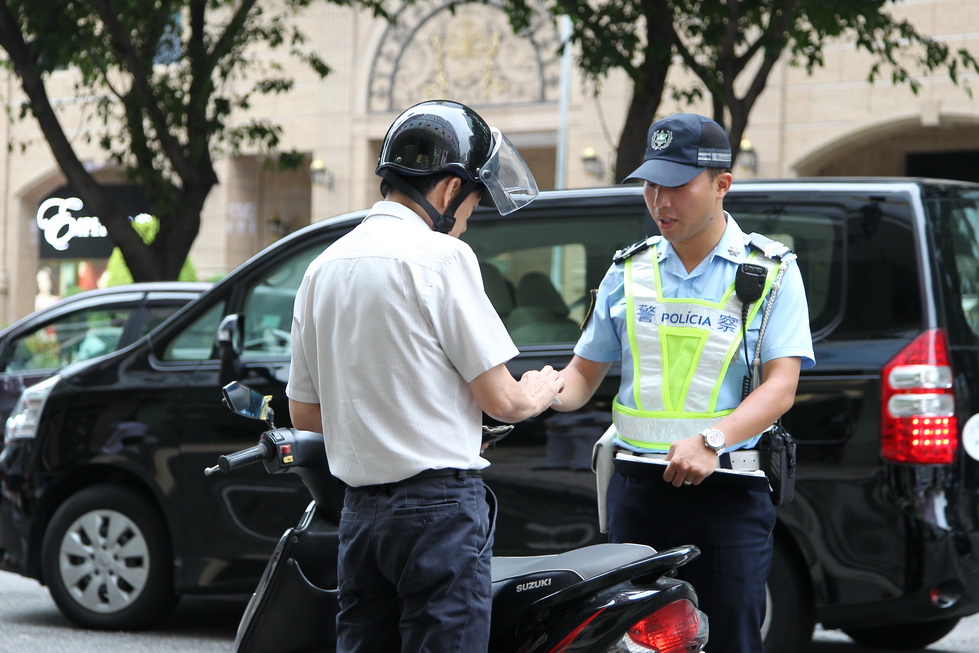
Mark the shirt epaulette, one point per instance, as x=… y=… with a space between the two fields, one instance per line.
x=769 y=248
x=634 y=248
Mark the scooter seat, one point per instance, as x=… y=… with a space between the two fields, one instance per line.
x=584 y=563
x=520 y=582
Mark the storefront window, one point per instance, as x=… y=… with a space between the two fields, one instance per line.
x=73 y=246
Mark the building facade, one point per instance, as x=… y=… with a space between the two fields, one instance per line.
x=831 y=123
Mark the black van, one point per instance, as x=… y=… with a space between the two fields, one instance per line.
x=104 y=497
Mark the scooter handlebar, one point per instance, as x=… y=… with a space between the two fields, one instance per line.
x=232 y=461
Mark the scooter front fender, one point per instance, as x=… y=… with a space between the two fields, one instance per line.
x=298 y=587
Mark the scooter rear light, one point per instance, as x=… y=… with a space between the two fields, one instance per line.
x=675 y=628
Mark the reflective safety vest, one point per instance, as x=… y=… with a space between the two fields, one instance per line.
x=681 y=350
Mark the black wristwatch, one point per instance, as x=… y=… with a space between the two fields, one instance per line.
x=714 y=439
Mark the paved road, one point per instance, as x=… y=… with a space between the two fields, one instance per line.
x=30 y=623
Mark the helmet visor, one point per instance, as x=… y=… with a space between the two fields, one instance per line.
x=509 y=183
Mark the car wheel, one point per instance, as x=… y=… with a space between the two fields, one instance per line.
x=107 y=559
x=789 y=614
x=903 y=637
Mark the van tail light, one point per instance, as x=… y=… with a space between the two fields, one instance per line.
x=918 y=422
x=678 y=627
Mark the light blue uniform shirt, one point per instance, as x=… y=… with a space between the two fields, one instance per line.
x=605 y=338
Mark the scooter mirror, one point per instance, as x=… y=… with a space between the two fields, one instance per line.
x=244 y=401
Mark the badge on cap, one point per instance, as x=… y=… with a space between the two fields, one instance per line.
x=661 y=139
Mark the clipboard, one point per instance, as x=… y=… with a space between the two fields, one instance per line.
x=630 y=464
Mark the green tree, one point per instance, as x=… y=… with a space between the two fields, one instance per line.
x=147 y=227
x=166 y=77
x=731 y=45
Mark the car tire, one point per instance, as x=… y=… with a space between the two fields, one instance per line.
x=107 y=559
x=903 y=637
x=789 y=618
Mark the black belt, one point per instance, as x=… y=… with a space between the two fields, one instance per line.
x=448 y=471
x=461 y=474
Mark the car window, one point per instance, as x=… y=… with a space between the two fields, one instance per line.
x=268 y=306
x=964 y=223
x=74 y=337
x=882 y=282
x=815 y=234
x=157 y=315
x=267 y=313
x=539 y=272
x=954 y=219
x=198 y=341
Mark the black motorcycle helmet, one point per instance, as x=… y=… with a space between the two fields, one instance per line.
x=444 y=136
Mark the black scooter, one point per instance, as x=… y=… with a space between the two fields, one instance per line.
x=605 y=598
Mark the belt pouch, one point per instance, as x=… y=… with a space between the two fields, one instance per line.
x=777 y=458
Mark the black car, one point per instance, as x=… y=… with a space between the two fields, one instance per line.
x=83 y=326
x=105 y=500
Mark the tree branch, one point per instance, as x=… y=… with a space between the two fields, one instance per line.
x=145 y=99
x=726 y=59
x=226 y=42
x=786 y=16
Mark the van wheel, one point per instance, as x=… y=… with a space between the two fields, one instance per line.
x=789 y=614
x=107 y=559
x=903 y=637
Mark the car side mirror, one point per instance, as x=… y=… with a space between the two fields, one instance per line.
x=230 y=336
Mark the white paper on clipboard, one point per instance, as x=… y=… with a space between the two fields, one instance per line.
x=749 y=480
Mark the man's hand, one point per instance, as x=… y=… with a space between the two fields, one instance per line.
x=691 y=461
x=542 y=386
x=509 y=401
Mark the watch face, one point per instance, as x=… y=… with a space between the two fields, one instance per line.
x=714 y=439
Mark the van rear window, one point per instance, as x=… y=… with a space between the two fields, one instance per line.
x=857 y=258
x=954 y=220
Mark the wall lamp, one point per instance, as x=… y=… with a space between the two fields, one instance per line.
x=748 y=156
x=593 y=165
x=319 y=175
x=276 y=226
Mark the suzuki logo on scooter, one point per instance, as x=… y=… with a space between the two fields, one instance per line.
x=534 y=584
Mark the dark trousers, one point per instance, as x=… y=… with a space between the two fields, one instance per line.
x=414 y=566
x=733 y=529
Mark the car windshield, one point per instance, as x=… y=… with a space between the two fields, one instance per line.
x=954 y=213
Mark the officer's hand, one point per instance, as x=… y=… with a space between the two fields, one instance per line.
x=690 y=462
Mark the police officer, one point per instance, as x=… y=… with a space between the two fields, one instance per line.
x=396 y=353
x=668 y=310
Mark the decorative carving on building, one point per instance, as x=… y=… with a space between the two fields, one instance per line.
x=467 y=52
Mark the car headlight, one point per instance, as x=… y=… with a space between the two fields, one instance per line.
x=22 y=422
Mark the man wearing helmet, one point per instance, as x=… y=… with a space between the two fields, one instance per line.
x=397 y=352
